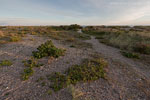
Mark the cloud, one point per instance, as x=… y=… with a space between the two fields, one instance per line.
x=43 y=12
x=122 y=12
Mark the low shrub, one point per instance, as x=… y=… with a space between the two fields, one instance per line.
x=70 y=39
x=99 y=37
x=5 y=63
x=32 y=63
x=49 y=92
x=59 y=81
x=142 y=48
x=130 y=55
x=3 y=41
x=15 y=38
x=72 y=46
x=48 y=49
x=90 y=70
x=27 y=73
x=84 y=37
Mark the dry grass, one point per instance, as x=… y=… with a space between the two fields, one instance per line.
x=127 y=40
x=75 y=93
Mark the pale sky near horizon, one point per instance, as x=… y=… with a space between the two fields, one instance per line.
x=83 y=12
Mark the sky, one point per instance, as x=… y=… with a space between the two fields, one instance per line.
x=66 y=12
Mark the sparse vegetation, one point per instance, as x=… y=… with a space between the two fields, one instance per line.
x=78 y=81
x=49 y=92
x=30 y=64
x=40 y=79
x=48 y=49
x=59 y=81
x=83 y=37
x=5 y=63
x=90 y=70
x=43 y=84
x=70 y=40
x=130 y=55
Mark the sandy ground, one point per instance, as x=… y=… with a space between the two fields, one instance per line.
x=127 y=79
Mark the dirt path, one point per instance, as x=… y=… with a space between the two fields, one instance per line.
x=129 y=78
x=114 y=53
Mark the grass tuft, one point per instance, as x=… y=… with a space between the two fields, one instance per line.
x=59 y=81
x=75 y=93
x=27 y=73
x=5 y=63
x=32 y=63
x=130 y=55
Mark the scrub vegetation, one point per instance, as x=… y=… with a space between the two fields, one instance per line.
x=125 y=38
x=73 y=62
x=89 y=70
x=48 y=49
x=5 y=63
x=28 y=71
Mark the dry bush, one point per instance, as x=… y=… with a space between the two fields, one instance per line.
x=1 y=34
x=75 y=93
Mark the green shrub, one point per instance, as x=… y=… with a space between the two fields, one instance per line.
x=90 y=70
x=5 y=63
x=72 y=46
x=27 y=73
x=48 y=49
x=142 y=48
x=130 y=55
